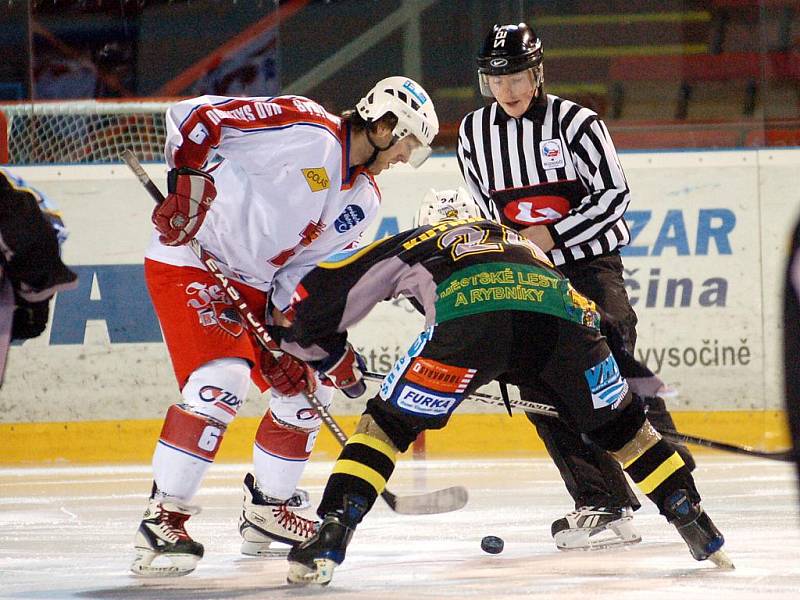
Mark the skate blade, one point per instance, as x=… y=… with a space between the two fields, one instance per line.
x=265 y=549
x=591 y=545
x=300 y=574
x=721 y=559
x=582 y=539
x=179 y=564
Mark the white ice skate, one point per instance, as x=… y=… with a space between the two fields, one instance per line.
x=268 y=526
x=163 y=547
x=595 y=528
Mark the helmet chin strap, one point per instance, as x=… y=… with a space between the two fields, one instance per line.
x=536 y=95
x=537 y=92
x=377 y=149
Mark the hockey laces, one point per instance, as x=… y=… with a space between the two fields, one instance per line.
x=174 y=523
x=294 y=522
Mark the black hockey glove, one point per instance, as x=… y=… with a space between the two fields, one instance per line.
x=30 y=319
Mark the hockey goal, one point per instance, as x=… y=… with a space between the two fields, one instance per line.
x=81 y=132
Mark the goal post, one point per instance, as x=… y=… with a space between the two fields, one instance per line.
x=81 y=132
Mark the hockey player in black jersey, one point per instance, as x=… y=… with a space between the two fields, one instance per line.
x=478 y=283
x=31 y=271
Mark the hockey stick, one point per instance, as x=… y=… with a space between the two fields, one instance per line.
x=438 y=501
x=675 y=436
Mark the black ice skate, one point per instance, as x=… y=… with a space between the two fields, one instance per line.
x=267 y=526
x=314 y=561
x=595 y=528
x=698 y=531
x=163 y=547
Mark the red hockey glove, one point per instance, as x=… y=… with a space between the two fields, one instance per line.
x=180 y=216
x=286 y=374
x=344 y=371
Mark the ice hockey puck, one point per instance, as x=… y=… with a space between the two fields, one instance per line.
x=492 y=544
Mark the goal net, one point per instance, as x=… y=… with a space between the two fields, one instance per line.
x=81 y=132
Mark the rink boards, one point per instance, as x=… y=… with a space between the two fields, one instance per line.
x=704 y=272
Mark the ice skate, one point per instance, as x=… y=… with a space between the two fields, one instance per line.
x=300 y=500
x=595 y=528
x=696 y=528
x=267 y=525
x=314 y=561
x=163 y=547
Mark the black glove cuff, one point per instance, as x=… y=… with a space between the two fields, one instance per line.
x=328 y=362
x=30 y=319
x=172 y=176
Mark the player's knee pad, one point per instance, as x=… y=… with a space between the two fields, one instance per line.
x=296 y=412
x=191 y=433
x=369 y=428
x=617 y=433
x=661 y=419
x=400 y=431
x=218 y=388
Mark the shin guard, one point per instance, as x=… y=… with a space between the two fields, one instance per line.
x=655 y=466
x=280 y=454
x=361 y=471
x=186 y=448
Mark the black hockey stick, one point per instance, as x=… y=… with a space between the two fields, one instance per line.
x=438 y=501
x=675 y=436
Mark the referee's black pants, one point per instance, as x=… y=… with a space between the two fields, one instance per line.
x=592 y=476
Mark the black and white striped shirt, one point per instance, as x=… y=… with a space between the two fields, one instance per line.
x=555 y=166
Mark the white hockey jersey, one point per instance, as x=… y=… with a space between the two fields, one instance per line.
x=286 y=197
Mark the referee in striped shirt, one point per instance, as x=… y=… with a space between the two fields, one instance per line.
x=547 y=167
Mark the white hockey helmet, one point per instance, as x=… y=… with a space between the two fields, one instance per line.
x=413 y=107
x=445 y=204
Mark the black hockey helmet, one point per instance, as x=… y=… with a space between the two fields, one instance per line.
x=510 y=49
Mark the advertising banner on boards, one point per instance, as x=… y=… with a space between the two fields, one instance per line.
x=703 y=271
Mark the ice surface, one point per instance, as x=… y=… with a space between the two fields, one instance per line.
x=68 y=532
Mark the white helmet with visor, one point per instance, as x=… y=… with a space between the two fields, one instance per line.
x=411 y=104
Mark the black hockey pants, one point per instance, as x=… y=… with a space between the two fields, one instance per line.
x=592 y=477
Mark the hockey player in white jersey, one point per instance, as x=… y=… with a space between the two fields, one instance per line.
x=266 y=185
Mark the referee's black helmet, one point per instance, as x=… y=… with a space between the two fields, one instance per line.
x=510 y=49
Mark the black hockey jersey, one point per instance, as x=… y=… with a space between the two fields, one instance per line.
x=449 y=270
x=29 y=250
